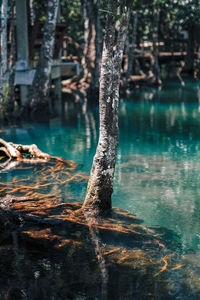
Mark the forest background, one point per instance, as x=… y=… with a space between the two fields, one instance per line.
x=162 y=42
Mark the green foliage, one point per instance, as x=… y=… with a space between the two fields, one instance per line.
x=72 y=16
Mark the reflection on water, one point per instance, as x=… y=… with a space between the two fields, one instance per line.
x=157 y=173
x=159 y=165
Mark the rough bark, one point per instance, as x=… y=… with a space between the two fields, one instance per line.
x=3 y=52
x=100 y=185
x=38 y=96
x=131 y=54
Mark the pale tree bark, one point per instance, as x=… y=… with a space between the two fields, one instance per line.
x=131 y=54
x=3 y=50
x=100 y=185
x=39 y=93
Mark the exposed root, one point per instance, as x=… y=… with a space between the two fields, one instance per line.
x=19 y=152
x=164 y=268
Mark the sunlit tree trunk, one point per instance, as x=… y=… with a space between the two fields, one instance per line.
x=39 y=94
x=100 y=185
x=3 y=50
x=131 y=54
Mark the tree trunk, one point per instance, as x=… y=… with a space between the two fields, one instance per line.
x=12 y=54
x=156 y=67
x=98 y=44
x=131 y=54
x=189 y=60
x=32 y=12
x=89 y=39
x=100 y=185
x=39 y=93
x=3 y=51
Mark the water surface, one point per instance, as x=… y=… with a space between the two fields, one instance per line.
x=158 y=163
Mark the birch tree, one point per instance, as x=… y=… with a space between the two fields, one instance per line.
x=100 y=185
x=39 y=94
x=3 y=50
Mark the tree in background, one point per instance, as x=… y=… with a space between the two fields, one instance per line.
x=100 y=185
x=131 y=52
x=94 y=86
x=39 y=92
x=89 y=39
x=3 y=51
x=155 y=31
x=12 y=55
x=92 y=46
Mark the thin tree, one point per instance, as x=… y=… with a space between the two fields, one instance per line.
x=100 y=185
x=131 y=53
x=12 y=55
x=3 y=50
x=32 y=12
x=155 y=62
x=89 y=39
x=39 y=93
x=98 y=49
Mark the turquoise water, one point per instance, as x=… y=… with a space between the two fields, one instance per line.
x=158 y=162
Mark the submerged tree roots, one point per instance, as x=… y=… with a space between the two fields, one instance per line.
x=37 y=203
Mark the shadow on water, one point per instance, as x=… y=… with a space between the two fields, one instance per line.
x=52 y=250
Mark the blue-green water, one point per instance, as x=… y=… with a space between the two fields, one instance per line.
x=158 y=162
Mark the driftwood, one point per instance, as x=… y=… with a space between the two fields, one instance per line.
x=19 y=152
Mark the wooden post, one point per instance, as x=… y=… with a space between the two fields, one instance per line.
x=22 y=42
